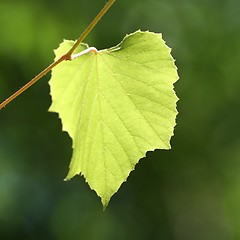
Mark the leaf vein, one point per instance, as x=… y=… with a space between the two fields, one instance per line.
x=114 y=76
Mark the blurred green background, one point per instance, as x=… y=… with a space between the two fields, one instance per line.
x=191 y=192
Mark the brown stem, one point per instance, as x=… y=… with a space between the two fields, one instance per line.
x=91 y=26
x=67 y=56
x=30 y=83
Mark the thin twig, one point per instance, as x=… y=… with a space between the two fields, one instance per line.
x=91 y=26
x=67 y=56
x=30 y=83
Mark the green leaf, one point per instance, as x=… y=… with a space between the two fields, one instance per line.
x=116 y=105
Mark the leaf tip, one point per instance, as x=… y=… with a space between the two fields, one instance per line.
x=105 y=203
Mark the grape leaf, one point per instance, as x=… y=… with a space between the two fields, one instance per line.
x=116 y=105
